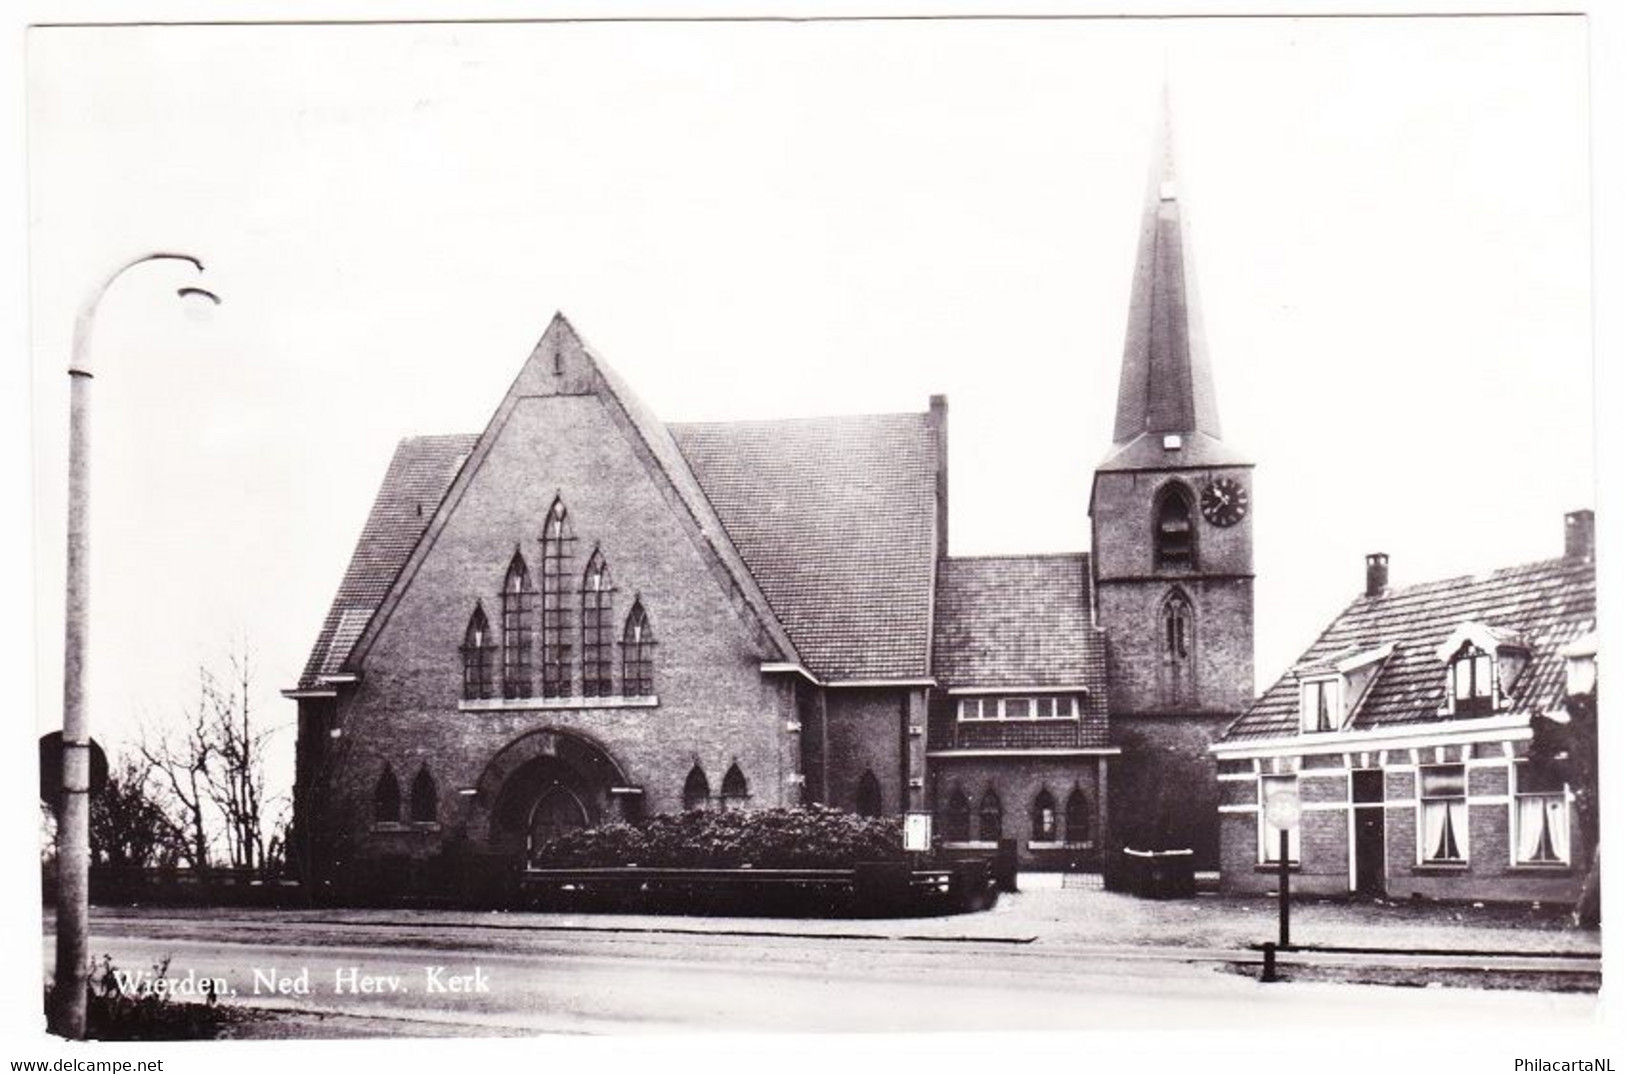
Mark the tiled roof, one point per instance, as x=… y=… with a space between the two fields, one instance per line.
x=1546 y=605
x=835 y=517
x=419 y=475
x=1017 y=621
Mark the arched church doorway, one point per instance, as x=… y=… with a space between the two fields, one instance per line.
x=545 y=785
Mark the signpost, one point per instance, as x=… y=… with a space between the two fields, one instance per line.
x=1283 y=810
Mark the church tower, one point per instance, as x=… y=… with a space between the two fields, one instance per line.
x=1172 y=549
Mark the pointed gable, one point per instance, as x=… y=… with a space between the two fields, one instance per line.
x=561 y=364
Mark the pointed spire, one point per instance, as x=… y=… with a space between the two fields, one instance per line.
x=1166 y=386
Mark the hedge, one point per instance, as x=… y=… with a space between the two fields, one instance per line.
x=810 y=837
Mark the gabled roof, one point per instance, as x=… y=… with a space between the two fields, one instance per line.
x=836 y=519
x=417 y=479
x=825 y=527
x=1547 y=605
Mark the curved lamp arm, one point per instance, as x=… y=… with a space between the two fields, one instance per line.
x=79 y=361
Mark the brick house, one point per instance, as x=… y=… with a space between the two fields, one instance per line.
x=1405 y=731
x=583 y=614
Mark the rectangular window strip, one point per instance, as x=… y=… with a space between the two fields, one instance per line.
x=1541 y=818
x=1443 y=816
x=1269 y=836
x=1063 y=707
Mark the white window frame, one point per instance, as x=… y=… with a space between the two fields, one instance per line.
x=1514 y=821
x=1269 y=836
x=1331 y=687
x=985 y=709
x=1470 y=658
x=1463 y=833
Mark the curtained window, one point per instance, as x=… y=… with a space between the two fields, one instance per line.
x=1541 y=817
x=1444 y=814
x=1044 y=818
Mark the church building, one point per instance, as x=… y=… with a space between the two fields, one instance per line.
x=583 y=614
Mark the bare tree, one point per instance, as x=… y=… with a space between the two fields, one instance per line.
x=235 y=780
x=181 y=766
x=128 y=826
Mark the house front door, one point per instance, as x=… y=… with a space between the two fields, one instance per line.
x=1370 y=834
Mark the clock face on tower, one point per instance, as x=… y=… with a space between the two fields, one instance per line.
x=1224 y=502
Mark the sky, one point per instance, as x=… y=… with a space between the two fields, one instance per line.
x=1391 y=221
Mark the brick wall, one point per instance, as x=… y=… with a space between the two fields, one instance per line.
x=1017 y=781
x=715 y=706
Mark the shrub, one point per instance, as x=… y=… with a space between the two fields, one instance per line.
x=809 y=837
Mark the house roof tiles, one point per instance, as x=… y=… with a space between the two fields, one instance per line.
x=1545 y=605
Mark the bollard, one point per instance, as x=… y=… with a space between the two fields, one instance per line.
x=1268 y=975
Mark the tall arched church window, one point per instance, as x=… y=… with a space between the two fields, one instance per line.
x=990 y=818
x=518 y=596
x=386 y=797
x=1174 y=538
x=637 y=653
x=869 y=803
x=958 y=819
x=556 y=589
x=1044 y=819
x=1077 y=817
x=597 y=593
x=479 y=657
x=734 y=788
x=1178 y=628
x=696 y=789
x=425 y=801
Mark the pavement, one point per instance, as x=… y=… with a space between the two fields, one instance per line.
x=1056 y=909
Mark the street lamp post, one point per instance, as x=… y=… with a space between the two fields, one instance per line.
x=73 y=822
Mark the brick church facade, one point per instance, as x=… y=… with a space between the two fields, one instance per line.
x=583 y=614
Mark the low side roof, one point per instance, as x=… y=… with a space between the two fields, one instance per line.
x=417 y=479
x=836 y=519
x=1017 y=621
x=1549 y=603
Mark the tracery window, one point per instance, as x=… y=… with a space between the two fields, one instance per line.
x=556 y=648
x=1177 y=622
x=637 y=653
x=696 y=789
x=386 y=798
x=990 y=818
x=517 y=598
x=868 y=797
x=597 y=593
x=1044 y=819
x=957 y=823
x=734 y=788
x=479 y=657
x=425 y=801
x=1077 y=817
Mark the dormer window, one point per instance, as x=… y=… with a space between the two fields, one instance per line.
x=1472 y=681
x=1482 y=664
x=1322 y=704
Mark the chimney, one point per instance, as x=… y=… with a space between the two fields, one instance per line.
x=1579 y=536
x=939 y=425
x=1376 y=574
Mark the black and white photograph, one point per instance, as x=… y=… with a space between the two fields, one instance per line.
x=932 y=533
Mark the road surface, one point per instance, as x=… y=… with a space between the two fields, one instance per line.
x=411 y=975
